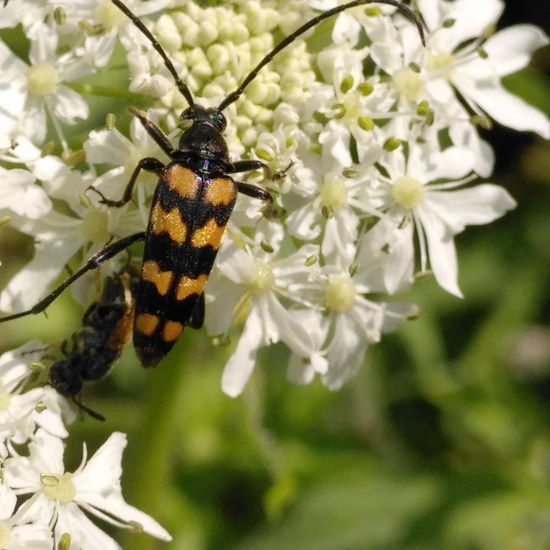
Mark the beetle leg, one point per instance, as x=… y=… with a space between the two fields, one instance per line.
x=249 y=165
x=95 y=261
x=257 y=193
x=77 y=400
x=154 y=131
x=254 y=191
x=150 y=164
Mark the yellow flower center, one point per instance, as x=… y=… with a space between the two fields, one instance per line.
x=42 y=79
x=60 y=488
x=409 y=84
x=352 y=106
x=340 y=293
x=333 y=193
x=264 y=280
x=407 y=191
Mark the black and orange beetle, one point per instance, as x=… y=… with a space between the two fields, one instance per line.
x=92 y=350
x=191 y=206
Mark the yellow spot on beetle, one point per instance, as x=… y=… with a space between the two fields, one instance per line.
x=151 y=272
x=171 y=331
x=209 y=234
x=168 y=222
x=183 y=181
x=122 y=333
x=147 y=323
x=220 y=191
x=188 y=286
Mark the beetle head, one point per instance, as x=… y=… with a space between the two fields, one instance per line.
x=196 y=114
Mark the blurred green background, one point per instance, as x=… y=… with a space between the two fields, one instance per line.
x=442 y=441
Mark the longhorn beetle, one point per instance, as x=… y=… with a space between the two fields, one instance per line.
x=106 y=329
x=191 y=206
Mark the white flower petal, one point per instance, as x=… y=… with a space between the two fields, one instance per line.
x=7 y=502
x=31 y=283
x=19 y=473
x=442 y=251
x=397 y=312
x=46 y=453
x=507 y=109
x=117 y=507
x=31 y=537
x=452 y=163
x=510 y=49
x=238 y=369
x=345 y=354
x=85 y=535
x=474 y=206
x=103 y=470
x=20 y=194
x=38 y=509
x=299 y=370
x=69 y=105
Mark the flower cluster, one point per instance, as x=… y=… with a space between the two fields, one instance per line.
x=41 y=504
x=382 y=132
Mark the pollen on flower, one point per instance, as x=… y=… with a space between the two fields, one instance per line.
x=440 y=62
x=42 y=79
x=340 y=293
x=60 y=488
x=95 y=226
x=264 y=279
x=5 y=535
x=334 y=193
x=108 y=15
x=407 y=191
x=409 y=83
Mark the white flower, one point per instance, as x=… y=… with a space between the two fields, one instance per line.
x=59 y=236
x=365 y=131
x=20 y=193
x=257 y=280
x=19 y=411
x=436 y=210
x=351 y=323
x=476 y=73
x=16 y=534
x=60 y=498
x=28 y=92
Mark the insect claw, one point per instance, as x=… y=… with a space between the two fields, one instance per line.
x=281 y=174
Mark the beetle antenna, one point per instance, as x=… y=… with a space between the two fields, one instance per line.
x=137 y=22
x=404 y=10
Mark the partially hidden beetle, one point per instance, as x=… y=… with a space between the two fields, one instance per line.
x=191 y=206
x=92 y=350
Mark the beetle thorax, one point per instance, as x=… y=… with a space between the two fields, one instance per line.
x=205 y=140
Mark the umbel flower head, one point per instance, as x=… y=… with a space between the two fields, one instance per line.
x=42 y=505
x=374 y=195
x=59 y=499
x=377 y=137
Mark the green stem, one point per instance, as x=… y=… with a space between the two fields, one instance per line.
x=148 y=469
